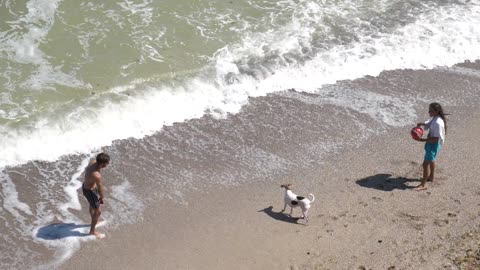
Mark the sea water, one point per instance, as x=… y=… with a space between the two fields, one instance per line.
x=78 y=77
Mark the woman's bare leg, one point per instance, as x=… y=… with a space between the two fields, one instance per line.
x=432 y=171
x=426 y=174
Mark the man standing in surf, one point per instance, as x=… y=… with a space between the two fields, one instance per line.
x=92 y=188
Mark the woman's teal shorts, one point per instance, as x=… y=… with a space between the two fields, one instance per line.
x=431 y=151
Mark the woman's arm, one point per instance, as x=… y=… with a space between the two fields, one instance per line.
x=430 y=140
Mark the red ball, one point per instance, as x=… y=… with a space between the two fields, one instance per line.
x=416 y=133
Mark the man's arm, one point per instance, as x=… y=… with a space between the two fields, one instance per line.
x=98 y=182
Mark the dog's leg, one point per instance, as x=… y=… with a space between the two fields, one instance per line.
x=305 y=216
x=291 y=210
x=284 y=207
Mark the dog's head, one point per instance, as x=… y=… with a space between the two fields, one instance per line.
x=287 y=186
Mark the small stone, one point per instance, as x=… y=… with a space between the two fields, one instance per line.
x=379 y=241
x=361 y=267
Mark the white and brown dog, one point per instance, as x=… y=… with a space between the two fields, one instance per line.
x=293 y=200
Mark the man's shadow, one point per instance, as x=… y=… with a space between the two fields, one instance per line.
x=385 y=182
x=279 y=215
x=57 y=231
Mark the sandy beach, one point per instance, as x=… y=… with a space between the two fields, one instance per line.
x=366 y=215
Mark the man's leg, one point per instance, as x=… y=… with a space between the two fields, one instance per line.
x=91 y=211
x=426 y=173
x=96 y=214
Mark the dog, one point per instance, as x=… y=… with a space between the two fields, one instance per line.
x=293 y=201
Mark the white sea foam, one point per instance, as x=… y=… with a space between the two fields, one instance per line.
x=126 y=203
x=441 y=37
x=18 y=209
x=71 y=190
x=462 y=71
x=64 y=238
x=392 y=111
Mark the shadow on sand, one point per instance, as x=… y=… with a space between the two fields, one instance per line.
x=385 y=182
x=279 y=215
x=61 y=230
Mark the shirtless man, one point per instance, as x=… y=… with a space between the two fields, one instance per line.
x=92 y=188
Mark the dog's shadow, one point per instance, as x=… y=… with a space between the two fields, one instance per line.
x=279 y=215
x=386 y=182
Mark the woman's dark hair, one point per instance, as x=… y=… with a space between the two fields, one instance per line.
x=103 y=158
x=438 y=108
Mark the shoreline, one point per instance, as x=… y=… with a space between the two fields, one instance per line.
x=365 y=214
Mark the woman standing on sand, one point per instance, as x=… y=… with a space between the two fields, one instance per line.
x=437 y=127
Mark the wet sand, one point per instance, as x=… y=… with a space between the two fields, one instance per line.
x=366 y=215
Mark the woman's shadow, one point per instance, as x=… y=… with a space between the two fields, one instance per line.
x=385 y=182
x=57 y=231
x=279 y=215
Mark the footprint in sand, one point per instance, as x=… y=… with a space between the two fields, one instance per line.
x=363 y=204
x=414 y=221
x=441 y=222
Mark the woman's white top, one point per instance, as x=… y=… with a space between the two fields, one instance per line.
x=436 y=127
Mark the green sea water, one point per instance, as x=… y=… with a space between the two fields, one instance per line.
x=57 y=52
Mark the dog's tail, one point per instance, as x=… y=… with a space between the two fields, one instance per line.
x=313 y=197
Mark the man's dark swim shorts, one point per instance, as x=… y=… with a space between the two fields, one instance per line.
x=92 y=197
